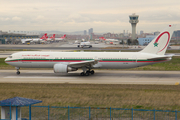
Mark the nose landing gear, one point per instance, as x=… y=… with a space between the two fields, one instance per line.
x=18 y=72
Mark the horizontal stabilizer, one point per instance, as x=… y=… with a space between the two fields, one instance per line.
x=83 y=63
x=163 y=57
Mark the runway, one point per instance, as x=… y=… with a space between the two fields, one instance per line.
x=100 y=77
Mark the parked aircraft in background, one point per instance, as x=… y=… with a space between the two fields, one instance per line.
x=102 y=38
x=111 y=41
x=61 y=38
x=63 y=62
x=44 y=37
x=52 y=38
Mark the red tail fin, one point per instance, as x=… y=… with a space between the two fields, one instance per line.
x=102 y=38
x=63 y=36
x=44 y=36
x=53 y=36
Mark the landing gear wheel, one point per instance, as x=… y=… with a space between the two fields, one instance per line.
x=87 y=73
x=92 y=72
x=82 y=74
x=17 y=72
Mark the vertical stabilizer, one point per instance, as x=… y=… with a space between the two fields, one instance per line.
x=44 y=36
x=159 y=44
x=53 y=36
x=63 y=36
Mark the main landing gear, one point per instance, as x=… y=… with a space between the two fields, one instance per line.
x=87 y=73
x=18 y=72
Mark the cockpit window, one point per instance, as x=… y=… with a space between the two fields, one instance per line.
x=10 y=57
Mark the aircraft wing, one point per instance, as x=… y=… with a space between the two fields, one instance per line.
x=83 y=63
x=163 y=57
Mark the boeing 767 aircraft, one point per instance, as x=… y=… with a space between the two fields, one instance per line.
x=64 y=62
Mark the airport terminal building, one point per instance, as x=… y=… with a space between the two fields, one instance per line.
x=14 y=38
x=145 y=41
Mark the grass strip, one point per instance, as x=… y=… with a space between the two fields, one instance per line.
x=163 y=97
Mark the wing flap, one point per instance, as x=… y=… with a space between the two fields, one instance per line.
x=83 y=63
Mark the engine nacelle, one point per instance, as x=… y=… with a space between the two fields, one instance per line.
x=62 y=68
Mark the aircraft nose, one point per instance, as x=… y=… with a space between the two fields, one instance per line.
x=5 y=60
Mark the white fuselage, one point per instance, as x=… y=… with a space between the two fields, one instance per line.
x=58 y=39
x=49 y=39
x=107 y=60
x=37 y=40
x=85 y=44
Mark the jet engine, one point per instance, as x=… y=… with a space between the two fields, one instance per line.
x=62 y=68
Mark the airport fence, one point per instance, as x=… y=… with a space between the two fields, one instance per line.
x=95 y=113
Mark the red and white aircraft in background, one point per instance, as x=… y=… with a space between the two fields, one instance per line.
x=44 y=37
x=56 y=39
x=102 y=38
x=51 y=38
x=111 y=41
x=61 y=38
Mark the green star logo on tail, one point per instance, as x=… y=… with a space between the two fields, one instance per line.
x=155 y=44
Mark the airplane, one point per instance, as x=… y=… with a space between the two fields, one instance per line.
x=57 y=39
x=64 y=62
x=44 y=37
x=102 y=38
x=111 y=41
x=51 y=38
x=61 y=38
x=34 y=39
x=85 y=44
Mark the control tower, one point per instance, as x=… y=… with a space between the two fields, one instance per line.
x=133 y=20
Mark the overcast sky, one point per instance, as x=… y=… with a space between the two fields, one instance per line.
x=79 y=15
